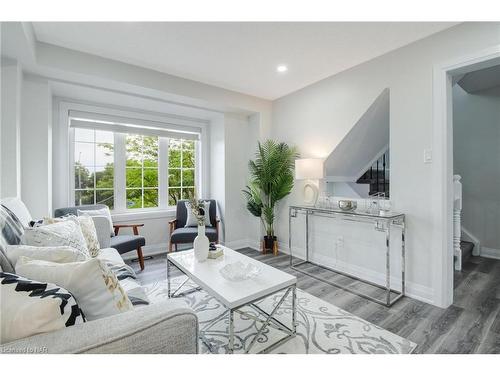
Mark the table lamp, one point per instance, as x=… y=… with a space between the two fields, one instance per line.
x=309 y=169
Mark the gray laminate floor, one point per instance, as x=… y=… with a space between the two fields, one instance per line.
x=470 y=325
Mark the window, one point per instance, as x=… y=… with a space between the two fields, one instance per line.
x=142 y=171
x=94 y=167
x=181 y=170
x=130 y=167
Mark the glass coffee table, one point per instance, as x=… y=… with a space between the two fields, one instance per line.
x=235 y=295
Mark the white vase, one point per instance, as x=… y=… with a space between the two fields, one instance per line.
x=201 y=245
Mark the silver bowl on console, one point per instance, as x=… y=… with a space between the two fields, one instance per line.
x=347 y=205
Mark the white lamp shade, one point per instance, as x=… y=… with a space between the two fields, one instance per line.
x=309 y=169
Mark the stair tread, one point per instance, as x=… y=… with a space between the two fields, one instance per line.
x=466 y=248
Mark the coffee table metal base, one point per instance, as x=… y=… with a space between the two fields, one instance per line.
x=267 y=320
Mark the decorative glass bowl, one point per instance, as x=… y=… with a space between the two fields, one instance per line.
x=238 y=271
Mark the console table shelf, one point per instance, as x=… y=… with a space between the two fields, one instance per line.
x=383 y=221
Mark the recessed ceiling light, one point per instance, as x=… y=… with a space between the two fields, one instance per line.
x=281 y=68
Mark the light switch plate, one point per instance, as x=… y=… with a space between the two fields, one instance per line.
x=427 y=155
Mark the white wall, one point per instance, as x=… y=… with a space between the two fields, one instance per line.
x=11 y=126
x=476 y=149
x=257 y=132
x=317 y=117
x=36 y=147
x=239 y=135
x=77 y=74
x=218 y=168
x=232 y=139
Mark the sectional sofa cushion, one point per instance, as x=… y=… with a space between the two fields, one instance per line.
x=126 y=242
x=188 y=234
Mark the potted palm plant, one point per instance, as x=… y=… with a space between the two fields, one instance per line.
x=271 y=179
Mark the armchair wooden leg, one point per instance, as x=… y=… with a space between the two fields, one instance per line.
x=175 y=247
x=169 y=246
x=141 y=257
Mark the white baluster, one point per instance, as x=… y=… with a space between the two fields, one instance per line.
x=457 y=221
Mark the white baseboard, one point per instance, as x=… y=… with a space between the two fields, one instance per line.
x=488 y=252
x=468 y=236
x=240 y=244
x=413 y=290
x=162 y=248
x=237 y=244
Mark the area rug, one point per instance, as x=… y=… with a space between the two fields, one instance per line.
x=322 y=327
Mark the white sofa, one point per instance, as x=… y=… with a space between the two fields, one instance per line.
x=166 y=327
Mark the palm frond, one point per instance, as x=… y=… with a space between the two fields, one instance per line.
x=271 y=179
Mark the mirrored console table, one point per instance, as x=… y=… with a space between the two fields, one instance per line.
x=382 y=221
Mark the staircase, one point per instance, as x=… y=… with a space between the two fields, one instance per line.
x=466 y=248
x=377 y=176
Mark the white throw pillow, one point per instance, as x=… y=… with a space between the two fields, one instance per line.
x=30 y=307
x=191 y=219
x=87 y=227
x=90 y=234
x=94 y=285
x=63 y=233
x=58 y=254
x=101 y=212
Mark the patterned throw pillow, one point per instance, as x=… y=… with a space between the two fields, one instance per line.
x=11 y=231
x=129 y=283
x=191 y=219
x=100 y=212
x=89 y=233
x=86 y=225
x=30 y=307
x=63 y=233
x=94 y=285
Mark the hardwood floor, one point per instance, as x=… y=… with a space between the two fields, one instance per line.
x=470 y=325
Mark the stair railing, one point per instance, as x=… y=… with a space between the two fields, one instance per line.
x=381 y=174
x=457 y=221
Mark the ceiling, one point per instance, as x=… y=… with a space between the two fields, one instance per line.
x=239 y=56
x=479 y=80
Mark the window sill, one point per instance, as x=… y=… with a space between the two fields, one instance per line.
x=121 y=217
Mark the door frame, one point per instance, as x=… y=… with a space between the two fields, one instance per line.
x=442 y=146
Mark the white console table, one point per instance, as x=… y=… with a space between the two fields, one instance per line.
x=382 y=222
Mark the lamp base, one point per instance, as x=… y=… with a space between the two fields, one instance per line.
x=311 y=192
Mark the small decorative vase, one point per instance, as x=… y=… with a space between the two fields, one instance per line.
x=201 y=245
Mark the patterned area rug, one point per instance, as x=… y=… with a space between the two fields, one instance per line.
x=322 y=327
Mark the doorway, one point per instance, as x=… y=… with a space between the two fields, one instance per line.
x=444 y=76
x=476 y=169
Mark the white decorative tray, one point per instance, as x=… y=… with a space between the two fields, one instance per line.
x=238 y=271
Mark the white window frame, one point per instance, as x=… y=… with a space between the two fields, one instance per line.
x=66 y=153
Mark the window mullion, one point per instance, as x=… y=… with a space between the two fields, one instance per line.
x=163 y=172
x=120 y=160
x=182 y=165
x=197 y=169
x=94 y=172
x=142 y=171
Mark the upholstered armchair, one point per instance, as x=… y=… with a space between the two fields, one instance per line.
x=123 y=243
x=179 y=233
